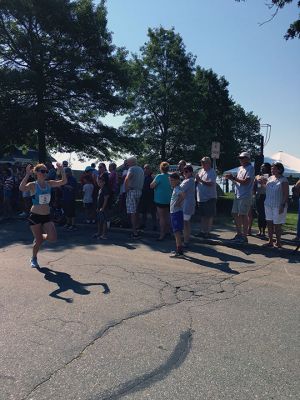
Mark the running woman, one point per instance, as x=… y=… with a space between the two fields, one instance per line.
x=39 y=218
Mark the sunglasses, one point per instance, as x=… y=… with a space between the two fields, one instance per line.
x=42 y=171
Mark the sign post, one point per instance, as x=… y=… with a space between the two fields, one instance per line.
x=215 y=152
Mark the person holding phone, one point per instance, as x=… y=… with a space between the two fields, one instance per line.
x=39 y=218
x=243 y=196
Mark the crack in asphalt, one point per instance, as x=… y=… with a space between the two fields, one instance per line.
x=182 y=348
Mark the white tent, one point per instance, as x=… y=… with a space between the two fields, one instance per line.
x=291 y=164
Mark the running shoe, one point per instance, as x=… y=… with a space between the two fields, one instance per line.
x=176 y=254
x=34 y=262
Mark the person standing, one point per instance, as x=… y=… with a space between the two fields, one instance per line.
x=259 y=191
x=88 y=189
x=243 y=196
x=276 y=203
x=103 y=205
x=147 y=205
x=188 y=188
x=39 y=218
x=162 y=197
x=176 y=213
x=113 y=178
x=181 y=165
x=134 y=182
x=296 y=193
x=206 y=196
x=69 y=199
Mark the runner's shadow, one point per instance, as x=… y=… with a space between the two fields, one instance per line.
x=223 y=266
x=65 y=282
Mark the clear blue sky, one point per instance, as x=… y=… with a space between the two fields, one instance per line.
x=263 y=69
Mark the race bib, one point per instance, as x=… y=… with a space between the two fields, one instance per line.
x=44 y=198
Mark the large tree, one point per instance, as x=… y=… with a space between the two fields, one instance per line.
x=222 y=120
x=163 y=113
x=179 y=109
x=59 y=74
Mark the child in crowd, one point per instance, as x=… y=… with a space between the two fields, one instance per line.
x=103 y=204
x=176 y=212
x=88 y=189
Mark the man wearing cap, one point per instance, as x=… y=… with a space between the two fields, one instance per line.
x=243 y=196
x=181 y=165
x=206 y=196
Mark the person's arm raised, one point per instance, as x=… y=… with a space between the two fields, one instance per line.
x=62 y=181
x=24 y=185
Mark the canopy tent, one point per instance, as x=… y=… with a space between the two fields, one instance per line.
x=23 y=158
x=291 y=164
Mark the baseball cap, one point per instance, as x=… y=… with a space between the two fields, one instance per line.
x=244 y=154
x=205 y=159
x=89 y=168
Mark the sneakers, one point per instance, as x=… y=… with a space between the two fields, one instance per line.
x=72 y=228
x=176 y=254
x=34 y=262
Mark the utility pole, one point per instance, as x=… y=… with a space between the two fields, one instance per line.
x=264 y=139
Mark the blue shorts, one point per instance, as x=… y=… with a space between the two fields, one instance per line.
x=177 y=221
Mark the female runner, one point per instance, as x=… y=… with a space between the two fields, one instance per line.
x=39 y=218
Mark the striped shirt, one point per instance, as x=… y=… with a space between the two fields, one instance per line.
x=274 y=193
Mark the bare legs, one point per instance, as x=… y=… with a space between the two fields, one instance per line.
x=134 y=222
x=178 y=241
x=186 y=231
x=164 y=221
x=39 y=235
x=277 y=229
x=242 y=224
x=206 y=224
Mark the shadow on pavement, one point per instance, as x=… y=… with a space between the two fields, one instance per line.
x=223 y=267
x=65 y=282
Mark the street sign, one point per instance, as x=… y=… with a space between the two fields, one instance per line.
x=215 y=150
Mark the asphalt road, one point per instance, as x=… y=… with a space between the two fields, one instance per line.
x=121 y=320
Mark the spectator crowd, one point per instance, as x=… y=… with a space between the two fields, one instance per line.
x=133 y=197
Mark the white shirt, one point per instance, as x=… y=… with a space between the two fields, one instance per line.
x=88 y=189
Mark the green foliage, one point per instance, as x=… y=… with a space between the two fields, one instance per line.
x=179 y=109
x=60 y=70
x=163 y=110
x=294 y=29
